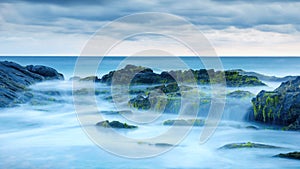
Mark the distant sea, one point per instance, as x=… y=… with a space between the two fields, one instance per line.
x=276 y=66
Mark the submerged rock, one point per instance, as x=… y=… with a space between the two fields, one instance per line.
x=252 y=127
x=115 y=124
x=116 y=112
x=157 y=144
x=280 y=107
x=90 y=78
x=247 y=145
x=291 y=155
x=15 y=78
x=240 y=94
x=184 y=122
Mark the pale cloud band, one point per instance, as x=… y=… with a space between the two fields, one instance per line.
x=234 y=27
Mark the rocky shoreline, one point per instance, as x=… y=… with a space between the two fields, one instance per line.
x=278 y=107
x=15 y=79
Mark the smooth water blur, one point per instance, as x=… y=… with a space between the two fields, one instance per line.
x=48 y=135
x=45 y=132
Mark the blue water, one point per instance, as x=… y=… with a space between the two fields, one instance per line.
x=276 y=66
x=47 y=133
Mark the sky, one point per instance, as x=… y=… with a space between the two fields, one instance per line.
x=232 y=27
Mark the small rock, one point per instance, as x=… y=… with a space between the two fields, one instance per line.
x=247 y=145
x=291 y=155
x=115 y=124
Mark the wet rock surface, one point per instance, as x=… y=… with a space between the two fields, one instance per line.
x=15 y=78
x=279 y=107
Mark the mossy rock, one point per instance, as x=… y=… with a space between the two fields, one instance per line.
x=184 y=122
x=291 y=155
x=240 y=94
x=116 y=112
x=157 y=144
x=247 y=145
x=140 y=102
x=115 y=124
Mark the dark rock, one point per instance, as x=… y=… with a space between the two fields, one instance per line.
x=169 y=88
x=47 y=72
x=247 y=145
x=115 y=124
x=265 y=77
x=136 y=75
x=279 y=107
x=184 y=122
x=252 y=127
x=140 y=102
x=291 y=155
x=133 y=74
x=137 y=91
x=15 y=78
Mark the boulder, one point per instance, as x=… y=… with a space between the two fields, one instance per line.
x=239 y=94
x=247 y=145
x=140 y=102
x=168 y=88
x=280 y=107
x=47 y=72
x=138 y=75
x=115 y=124
x=291 y=155
x=15 y=78
x=90 y=78
x=184 y=122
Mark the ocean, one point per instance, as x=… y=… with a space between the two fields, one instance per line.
x=274 y=66
x=46 y=132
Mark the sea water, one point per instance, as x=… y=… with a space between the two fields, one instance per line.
x=47 y=134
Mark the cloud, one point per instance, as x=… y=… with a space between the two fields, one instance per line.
x=33 y=20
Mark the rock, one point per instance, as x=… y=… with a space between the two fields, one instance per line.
x=140 y=102
x=133 y=74
x=115 y=124
x=15 y=78
x=116 y=112
x=279 y=107
x=291 y=155
x=235 y=79
x=74 y=78
x=265 y=77
x=137 y=91
x=47 y=72
x=90 y=78
x=239 y=94
x=168 y=88
x=184 y=122
x=252 y=127
x=247 y=145
x=138 y=75
x=158 y=144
